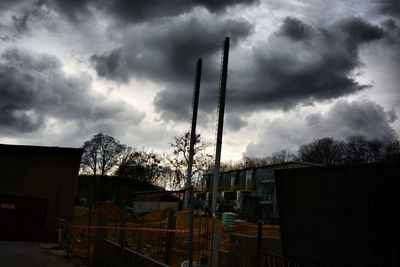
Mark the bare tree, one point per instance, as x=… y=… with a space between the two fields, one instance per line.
x=281 y=156
x=356 y=149
x=391 y=151
x=179 y=159
x=327 y=151
x=100 y=155
x=278 y=157
x=143 y=166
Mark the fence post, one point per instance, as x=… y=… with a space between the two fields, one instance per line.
x=122 y=233
x=259 y=241
x=140 y=241
x=170 y=238
x=259 y=237
x=191 y=228
x=68 y=239
x=99 y=255
x=90 y=224
x=59 y=236
x=215 y=246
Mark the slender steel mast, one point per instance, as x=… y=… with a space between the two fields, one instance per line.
x=195 y=105
x=221 y=111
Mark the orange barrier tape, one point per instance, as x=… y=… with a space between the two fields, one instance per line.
x=136 y=228
x=122 y=228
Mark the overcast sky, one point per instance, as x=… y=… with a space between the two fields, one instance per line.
x=298 y=70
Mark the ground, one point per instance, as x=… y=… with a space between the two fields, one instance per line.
x=32 y=254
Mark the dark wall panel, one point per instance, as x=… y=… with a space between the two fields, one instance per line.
x=22 y=218
x=341 y=216
x=48 y=173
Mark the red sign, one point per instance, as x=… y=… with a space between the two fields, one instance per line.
x=7 y=206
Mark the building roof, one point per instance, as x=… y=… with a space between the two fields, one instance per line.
x=274 y=165
x=350 y=166
x=28 y=149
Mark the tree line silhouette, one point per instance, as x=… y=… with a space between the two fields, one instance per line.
x=104 y=155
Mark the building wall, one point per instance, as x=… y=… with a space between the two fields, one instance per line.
x=254 y=187
x=47 y=173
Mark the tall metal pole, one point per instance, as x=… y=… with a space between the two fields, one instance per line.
x=221 y=111
x=196 y=94
x=191 y=229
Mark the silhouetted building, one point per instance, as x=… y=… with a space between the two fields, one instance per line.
x=37 y=187
x=342 y=215
x=250 y=192
x=117 y=188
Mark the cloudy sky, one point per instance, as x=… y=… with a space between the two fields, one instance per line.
x=298 y=70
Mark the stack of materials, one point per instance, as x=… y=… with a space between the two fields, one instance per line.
x=228 y=218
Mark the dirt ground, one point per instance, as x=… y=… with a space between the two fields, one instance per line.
x=33 y=254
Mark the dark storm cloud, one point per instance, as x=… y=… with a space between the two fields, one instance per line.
x=33 y=88
x=298 y=64
x=391 y=25
x=392 y=32
x=6 y=4
x=354 y=118
x=21 y=16
x=389 y=7
x=139 y=10
x=13 y=118
x=343 y=119
x=300 y=70
x=167 y=54
x=233 y=122
x=360 y=31
x=295 y=29
x=75 y=10
x=21 y=23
